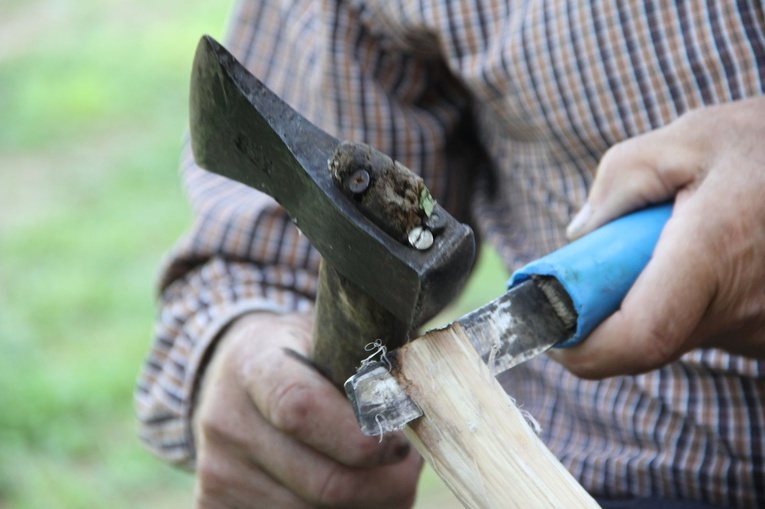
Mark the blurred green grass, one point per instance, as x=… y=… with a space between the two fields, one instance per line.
x=93 y=102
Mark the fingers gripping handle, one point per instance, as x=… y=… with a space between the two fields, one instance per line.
x=598 y=269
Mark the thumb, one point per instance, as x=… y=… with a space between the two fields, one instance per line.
x=648 y=169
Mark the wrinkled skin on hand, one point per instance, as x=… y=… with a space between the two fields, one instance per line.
x=271 y=432
x=705 y=285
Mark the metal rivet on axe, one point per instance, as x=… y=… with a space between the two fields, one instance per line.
x=420 y=238
x=359 y=181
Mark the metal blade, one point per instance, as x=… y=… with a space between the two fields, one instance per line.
x=513 y=328
x=380 y=404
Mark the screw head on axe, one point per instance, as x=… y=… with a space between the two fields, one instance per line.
x=243 y=131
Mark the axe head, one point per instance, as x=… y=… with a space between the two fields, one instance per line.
x=243 y=131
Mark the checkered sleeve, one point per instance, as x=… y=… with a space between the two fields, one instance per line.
x=242 y=252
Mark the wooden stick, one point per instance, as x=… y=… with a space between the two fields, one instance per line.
x=472 y=433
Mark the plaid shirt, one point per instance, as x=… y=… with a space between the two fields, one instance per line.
x=535 y=90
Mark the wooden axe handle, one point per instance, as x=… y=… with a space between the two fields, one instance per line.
x=347 y=321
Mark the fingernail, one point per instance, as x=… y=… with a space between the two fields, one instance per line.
x=580 y=220
x=396 y=450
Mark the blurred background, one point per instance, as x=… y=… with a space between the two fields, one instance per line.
x=93 y=104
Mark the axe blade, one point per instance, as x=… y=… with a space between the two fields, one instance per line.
x=243 y=131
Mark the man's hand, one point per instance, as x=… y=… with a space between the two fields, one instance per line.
x=705 y=285
x=272 y=432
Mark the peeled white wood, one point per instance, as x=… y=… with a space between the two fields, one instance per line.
x=472 y=433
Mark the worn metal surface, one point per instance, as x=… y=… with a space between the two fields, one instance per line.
x=355 y=204
x=511 y=329
x=380 y=404
x=515 y=327
x=243 y=131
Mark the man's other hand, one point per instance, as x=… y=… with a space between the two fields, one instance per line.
x=705 y=284
x=272 y=432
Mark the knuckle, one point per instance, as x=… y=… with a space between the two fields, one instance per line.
x=290 y=407
x=582 y=368
x=636 y=348
x=583 y=371
x=693 y=116
x=206 y=421
x=345 y=487
x=211 y=483
x=367 y=452
x=260 y=370
x=213 y=431
x=335 y=489
x=403 y=498
x=612 y=167
x=659 y=347
x=611 y=160
x=333 y=492
x=364 y=452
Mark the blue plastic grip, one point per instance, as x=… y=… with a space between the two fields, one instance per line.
x=598 y=269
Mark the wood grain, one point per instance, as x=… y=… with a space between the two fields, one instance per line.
x=473 y=434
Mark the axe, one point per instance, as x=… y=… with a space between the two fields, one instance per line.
x=393 y=258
